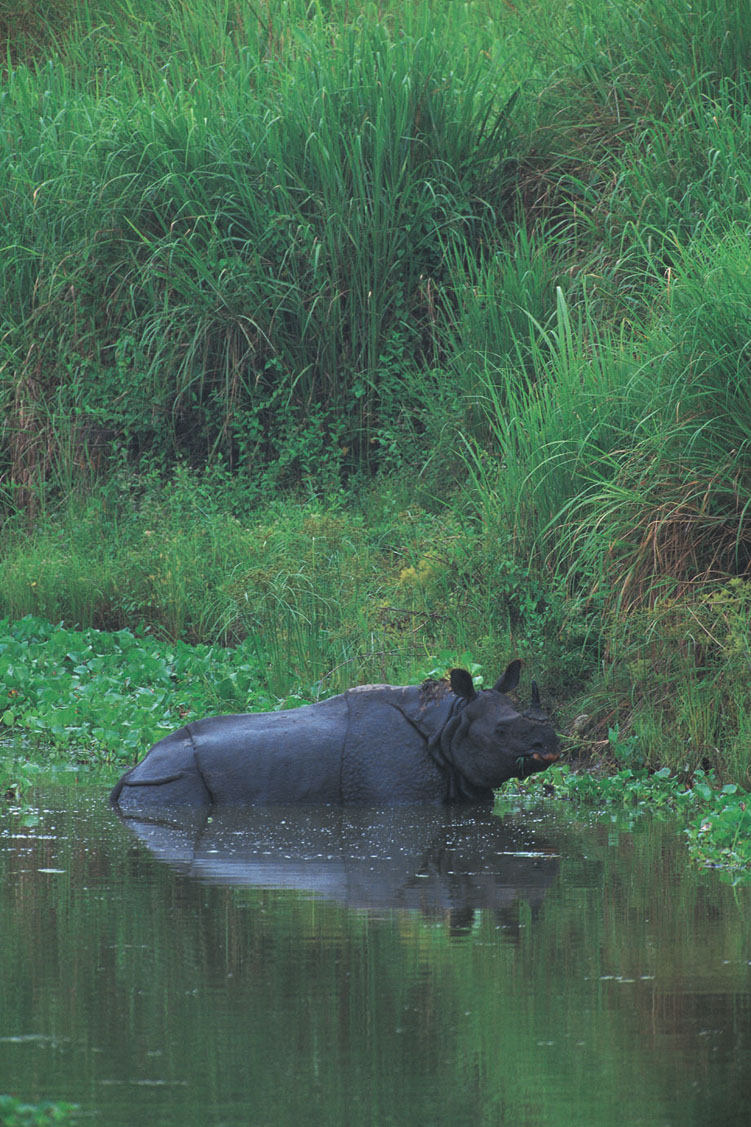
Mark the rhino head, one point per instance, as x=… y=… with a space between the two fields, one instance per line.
x=493 y=741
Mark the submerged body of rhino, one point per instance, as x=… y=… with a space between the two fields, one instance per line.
x=378 y=744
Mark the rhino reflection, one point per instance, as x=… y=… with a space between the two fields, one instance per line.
x=432 y=860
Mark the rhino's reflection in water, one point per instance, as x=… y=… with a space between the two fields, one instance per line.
x=433 y=860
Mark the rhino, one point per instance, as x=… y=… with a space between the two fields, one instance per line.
x=439 y=742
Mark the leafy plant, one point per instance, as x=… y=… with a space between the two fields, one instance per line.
x=721 y=836
x=15 y=1113
x=719 y=822
x=107 y=698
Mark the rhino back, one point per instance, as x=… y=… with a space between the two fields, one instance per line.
x=386 y=758
x=293 y=756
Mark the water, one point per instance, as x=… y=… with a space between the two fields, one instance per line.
x=354 y=967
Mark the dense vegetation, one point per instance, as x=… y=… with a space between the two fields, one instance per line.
x=16 y=1113
x=368 y=338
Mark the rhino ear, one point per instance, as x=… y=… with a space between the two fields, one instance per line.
x=535 y=695
x=510 y=678
x=461 y=684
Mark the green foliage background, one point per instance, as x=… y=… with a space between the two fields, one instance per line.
x=371 y=338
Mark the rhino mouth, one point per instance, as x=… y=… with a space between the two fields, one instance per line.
x=546 y=757
x=536 y=761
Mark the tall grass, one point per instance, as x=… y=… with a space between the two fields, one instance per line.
x=621 y=466
x=239 y=259
x=625 y=457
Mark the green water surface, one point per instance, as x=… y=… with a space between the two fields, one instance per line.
x=356 y=967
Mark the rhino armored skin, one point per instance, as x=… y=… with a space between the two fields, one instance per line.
x=377 y=744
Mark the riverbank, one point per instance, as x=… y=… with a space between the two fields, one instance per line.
x=364 y=341
x=83 y=705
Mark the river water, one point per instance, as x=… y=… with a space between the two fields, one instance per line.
x=361 y=967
